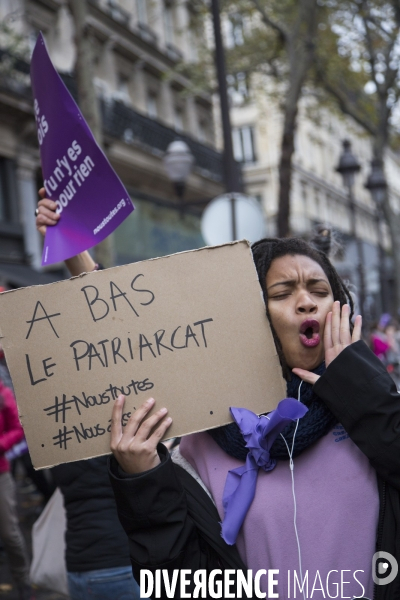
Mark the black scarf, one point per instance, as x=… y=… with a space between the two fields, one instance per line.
x=315 y=423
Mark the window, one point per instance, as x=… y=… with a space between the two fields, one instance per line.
x=317 y=203
x=241 y=82
x=8 y=192
x=142 y=11
x=152 y=108
x=123 y=87
x=118 y=12
x=156 y=230
x=169 y=25
x=234 y=31
x=3 y=192
x=243 y=144
x=237 y=87
x=202 y=131
x=178 y=118
x=32 y=39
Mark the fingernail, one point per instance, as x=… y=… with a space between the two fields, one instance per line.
x=169 y=420
x=163 y=411
x=150 y=401
x=120 y=398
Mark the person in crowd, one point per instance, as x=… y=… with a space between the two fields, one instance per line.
x=380 y=342
x=393 y=353
x=385 y=345
x=326 y=496
x=11 y=433
x=19 y=454
x=97 y=551
x=4 y=371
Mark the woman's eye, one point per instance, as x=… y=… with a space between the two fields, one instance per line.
x=321 y=292
x=281 y=296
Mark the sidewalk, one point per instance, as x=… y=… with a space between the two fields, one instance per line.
x=29 y=506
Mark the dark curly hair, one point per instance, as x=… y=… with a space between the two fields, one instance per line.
x=267 y=249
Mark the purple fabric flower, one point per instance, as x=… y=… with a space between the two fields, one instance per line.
x=259 y=434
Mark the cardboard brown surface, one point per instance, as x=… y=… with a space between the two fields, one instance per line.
x=188 y=329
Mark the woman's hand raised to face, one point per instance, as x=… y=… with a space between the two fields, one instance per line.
x=337 y=337
x=47 y=212
x=135 y=446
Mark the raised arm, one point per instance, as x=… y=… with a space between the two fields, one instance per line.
x=47 y=217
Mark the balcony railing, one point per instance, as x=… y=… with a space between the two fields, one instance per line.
x=14 y=74
x=122 y=122
x=119 y=120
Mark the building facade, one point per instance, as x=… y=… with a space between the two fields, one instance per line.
x=145 y=105
x=317 y=195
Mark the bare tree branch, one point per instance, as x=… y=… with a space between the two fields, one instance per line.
x=391 y=74
x=371 y=52
x=278 y=27
x=344 y=103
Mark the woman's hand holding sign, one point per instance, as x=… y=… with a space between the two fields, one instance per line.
x=46 y=212
x=46 y=216
x=135 y=446
x=337 y=337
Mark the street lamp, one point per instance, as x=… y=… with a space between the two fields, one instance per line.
x=376 y=184
x=178 y=162
x=348 y=166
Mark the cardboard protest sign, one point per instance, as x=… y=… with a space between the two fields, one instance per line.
x=77 y=175
x=188 y=329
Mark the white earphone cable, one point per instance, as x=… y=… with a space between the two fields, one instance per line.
x=291 y=465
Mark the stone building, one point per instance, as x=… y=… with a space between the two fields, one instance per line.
x=317 y=194
x=145 y=105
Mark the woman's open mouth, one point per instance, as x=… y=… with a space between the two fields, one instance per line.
x=309 y=333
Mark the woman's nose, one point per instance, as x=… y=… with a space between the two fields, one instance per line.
x=306 y=304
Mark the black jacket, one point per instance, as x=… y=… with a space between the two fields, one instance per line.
x=172 y=523
x=94 y=537
x=358 y=390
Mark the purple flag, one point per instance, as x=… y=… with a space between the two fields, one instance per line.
x=90 y=196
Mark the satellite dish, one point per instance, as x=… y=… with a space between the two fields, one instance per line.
x=216 y=221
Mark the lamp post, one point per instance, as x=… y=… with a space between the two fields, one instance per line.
x=348 y=166
x=376 y=184
x=232 y=173
x=176 y=155
x=178 y=162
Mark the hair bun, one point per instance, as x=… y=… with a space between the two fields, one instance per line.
x=322 y=239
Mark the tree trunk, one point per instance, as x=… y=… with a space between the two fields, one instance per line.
x=285 y=166
x=392 y=219
x=300 y=48
x=88 y=102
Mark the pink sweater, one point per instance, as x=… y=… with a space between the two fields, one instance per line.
x=11 y=430
x=337 y=514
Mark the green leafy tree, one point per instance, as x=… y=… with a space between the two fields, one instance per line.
x=276 y=38
x=361 y=72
